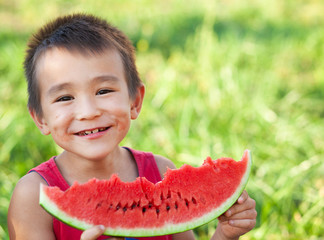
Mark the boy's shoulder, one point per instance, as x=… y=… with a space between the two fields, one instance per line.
x=27 y=189
x=29 y=184
x=163 y=164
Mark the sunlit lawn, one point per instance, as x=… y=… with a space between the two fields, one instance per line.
x=220 y=78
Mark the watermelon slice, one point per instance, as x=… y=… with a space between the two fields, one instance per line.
x=186 y=198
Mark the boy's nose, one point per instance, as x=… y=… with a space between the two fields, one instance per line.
x=87 y=109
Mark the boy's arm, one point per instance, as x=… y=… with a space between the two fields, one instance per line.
x=26 y=218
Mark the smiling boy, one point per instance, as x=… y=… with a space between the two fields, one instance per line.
x=84 y=90
x=85 y=103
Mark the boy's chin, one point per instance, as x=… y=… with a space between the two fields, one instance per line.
x=96 y=154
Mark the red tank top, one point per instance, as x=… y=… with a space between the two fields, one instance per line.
x=48 y=170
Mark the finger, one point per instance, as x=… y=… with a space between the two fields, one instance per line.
x=243 y=223
x=244 y=196
x=236 y=208
x=93 y=233
x=247 y=214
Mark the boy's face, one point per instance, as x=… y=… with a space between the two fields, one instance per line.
x=85 y=101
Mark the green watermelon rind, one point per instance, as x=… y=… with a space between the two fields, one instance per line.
x=166 y=229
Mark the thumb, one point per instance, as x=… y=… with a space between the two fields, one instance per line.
x=93 y=233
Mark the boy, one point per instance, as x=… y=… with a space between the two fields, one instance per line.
x=84 y=90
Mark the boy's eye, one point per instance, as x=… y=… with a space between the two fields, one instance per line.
x=104 y=91
x=64 y=99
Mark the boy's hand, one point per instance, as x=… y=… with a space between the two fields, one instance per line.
x=95 y=232
x=237 y=220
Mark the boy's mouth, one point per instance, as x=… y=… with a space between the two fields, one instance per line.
x=88 y=132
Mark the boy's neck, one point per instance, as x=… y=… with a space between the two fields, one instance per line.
x=74 y=168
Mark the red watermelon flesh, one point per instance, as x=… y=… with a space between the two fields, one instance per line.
x=186 y=198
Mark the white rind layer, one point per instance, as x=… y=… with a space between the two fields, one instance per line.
x=168 y=228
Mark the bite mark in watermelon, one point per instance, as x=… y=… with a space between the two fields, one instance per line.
x=185 y=199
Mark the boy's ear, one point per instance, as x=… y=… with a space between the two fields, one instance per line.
x=40 y=122
x=137 y=102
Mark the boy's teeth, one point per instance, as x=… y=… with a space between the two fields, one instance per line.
x=93 y=131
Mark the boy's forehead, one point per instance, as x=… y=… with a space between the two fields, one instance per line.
x=48 y=56
x=66 y=62
x=82 y=52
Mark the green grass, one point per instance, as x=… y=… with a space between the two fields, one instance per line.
x=220 y=78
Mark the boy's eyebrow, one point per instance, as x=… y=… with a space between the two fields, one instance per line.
x=105 y=78
x=99 y=79
x=57 y=88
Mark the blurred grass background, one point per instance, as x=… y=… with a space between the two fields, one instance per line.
x=221 y=76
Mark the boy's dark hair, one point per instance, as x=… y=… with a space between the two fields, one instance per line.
x=86 y=34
